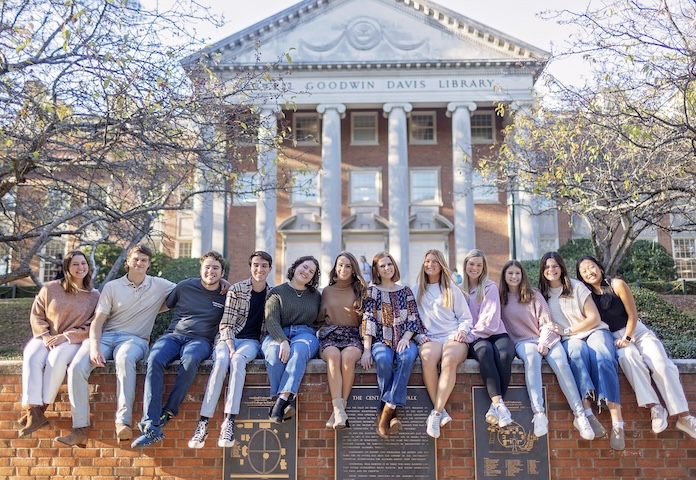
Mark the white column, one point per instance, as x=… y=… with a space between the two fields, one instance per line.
x=397 y=188
x=330 y=185
x=524 y=211
x=462 y=180
x=266 y=205
x=202 y=208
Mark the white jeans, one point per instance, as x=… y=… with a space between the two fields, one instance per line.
x=126 y=351
x=646 y=356
x=245 y=351
x=43 y=370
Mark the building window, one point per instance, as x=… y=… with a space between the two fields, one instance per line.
x=684 y=252
x=184 y=250
x=245 y=189
x=185 y=197
x=485 y=189
x=53 y=249
x=483 y=128
x=364 y=128
x=306 y=128
x=305 y=188
x=423 y=128
x=425 y=186
x=365 y=187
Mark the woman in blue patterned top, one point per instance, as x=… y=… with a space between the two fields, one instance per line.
x=390 y=321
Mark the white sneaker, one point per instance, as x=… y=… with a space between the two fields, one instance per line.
x=583 y=425
x=492 y=415
x=504 y=416
x=199 y=436
x=433 y=428
x=658 y=414
x=226 y=439
x=541 y=424
x=688 y=425
x=445 y=418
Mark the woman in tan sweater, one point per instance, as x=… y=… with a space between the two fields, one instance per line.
x=340 y=342
x=60 y=318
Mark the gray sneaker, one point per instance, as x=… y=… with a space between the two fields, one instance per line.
x=616 y=440
x=597 y=427
x=199 y=436
x=226 y=439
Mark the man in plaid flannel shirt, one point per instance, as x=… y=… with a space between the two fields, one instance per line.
x=240 y=332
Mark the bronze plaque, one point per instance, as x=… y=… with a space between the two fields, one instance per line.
x=263 y=449
x=512 y=451
x=362 y=454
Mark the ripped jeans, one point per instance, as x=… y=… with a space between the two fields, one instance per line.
x=304 y=345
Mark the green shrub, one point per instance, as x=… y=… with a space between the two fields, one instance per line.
x=646 y=260
x=574 y=249
x=677 y=331
x=532 y=269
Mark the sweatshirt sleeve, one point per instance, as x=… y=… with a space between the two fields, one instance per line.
x=488 y=322
x=37 y=318
x=461 y=311
x=273 y=316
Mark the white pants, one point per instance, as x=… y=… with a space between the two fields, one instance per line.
x=646 y=356
x=43 y=370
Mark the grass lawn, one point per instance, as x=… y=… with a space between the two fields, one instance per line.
x=14 y=327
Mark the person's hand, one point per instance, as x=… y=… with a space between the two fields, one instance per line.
x=224 y=286
x=96 y=356
x=366 y=359
x=460 y=337
x=55 y=340
x=542 y=349
x=284 y=351
x=423 y=339
x=621 y=343
x=402 y=345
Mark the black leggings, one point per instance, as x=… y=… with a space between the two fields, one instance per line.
x=495 y=355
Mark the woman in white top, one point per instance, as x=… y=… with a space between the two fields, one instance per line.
x=447 y=320
x=588 y=342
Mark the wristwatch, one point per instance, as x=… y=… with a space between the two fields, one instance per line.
x=567 y=331
x=628 y=339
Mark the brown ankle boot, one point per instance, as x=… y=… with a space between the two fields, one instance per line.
x=76 y=438
x=384 y=420
x=25 y=414
x=35 y=419
x=394 y=424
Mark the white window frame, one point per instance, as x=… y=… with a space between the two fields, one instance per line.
x=437 y=200
x=411 y=128
x=482 y=191
x=683 y=260
x=478 y=139
x=309 y=138
x=52 y=248
x=188 y=244
x=301 y=179
x=353 y=201
x=353 y=128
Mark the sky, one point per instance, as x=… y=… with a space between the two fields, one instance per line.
x=517 y=18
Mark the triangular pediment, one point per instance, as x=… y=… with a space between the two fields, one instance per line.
x=330 y=32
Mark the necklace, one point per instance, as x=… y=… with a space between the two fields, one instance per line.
x=299 y=295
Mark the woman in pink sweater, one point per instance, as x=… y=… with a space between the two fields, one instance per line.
x=60 y=318
x=528 y=322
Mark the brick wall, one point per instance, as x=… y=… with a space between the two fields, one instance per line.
x=670 y=455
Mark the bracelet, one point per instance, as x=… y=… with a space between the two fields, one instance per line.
x=567 y=331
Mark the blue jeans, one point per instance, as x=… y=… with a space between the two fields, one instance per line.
x=594 y=365
x=558 y=361
x=170 y=347
x=304 y=345
x=393 y=380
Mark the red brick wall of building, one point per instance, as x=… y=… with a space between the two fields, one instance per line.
x=670 y=455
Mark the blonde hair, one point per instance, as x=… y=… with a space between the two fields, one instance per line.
x=445 y=280
x=482 y=280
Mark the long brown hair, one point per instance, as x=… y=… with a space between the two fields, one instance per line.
x=68 y=282
x=544 y=285
x=445 y=280
x=356 y=280
x=376 y=278
x=525 y=294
